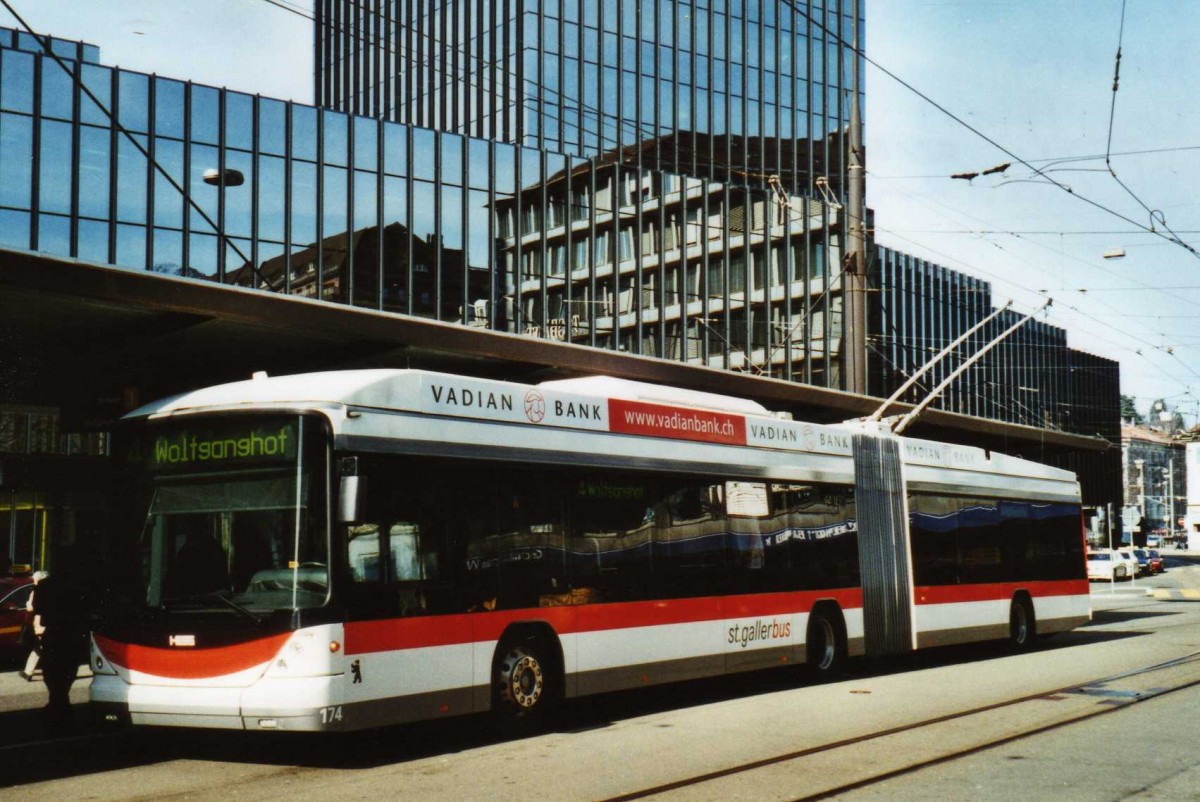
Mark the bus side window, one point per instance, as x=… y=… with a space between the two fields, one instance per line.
x=362 y=553
x=407 y=562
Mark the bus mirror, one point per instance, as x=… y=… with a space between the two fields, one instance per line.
x=352 y=494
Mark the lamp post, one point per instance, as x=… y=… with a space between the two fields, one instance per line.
x=1141 y=466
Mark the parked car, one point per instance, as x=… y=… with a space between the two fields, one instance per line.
x=1105 y=565
x=1131 y=563
x=1143 y=560
x=1156 y=561
x=14 y=594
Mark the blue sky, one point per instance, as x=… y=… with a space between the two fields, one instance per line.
x=1033 y=75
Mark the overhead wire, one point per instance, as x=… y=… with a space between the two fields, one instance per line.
x=991 y=141
x=1161 y=218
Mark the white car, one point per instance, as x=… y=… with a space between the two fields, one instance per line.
x=1106 y=565
x=1131 y=562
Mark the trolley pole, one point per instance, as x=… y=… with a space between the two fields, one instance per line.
x=854 y=281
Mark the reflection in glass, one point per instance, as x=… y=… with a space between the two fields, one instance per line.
x=168 y=252
x=270 y=265
x=54 y=234
x=239 y=121
x=366 y=143
x=395 y=245
x=93 y=241
x=424 y=208
x=131 y=181
x=423 y=144
x=238 y=200
x=395 y=149
x=237 y=255
x=505 y=172
x=168 y=108
x=272 y=126
x=271 y=174
x=16 y=82
x=16 y=157
x=168 y=202
x=304 y=203
x=451 y=219
x=58 y=91
x=451 y=171
x=14 y=229
x=131 y=247
x=365 y=200
x=479 y=250
x=202 y=256
x=304 y=132
x=479 y=172
x=205 y=114
x=134 y=99
x=94 y=158
x=203 y=196
x=334 y=145
x=98 y=81
x=334 y=195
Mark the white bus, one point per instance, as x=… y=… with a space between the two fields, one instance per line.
x=342 y=550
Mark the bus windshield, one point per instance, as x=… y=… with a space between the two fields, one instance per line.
x=231 y=516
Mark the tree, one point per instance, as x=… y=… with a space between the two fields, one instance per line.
x=1129 y=411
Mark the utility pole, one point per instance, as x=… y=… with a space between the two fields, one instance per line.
x=1141 y=466
x=854 y=276
x=1171 y=497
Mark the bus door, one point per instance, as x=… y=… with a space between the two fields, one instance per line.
x=883 y=550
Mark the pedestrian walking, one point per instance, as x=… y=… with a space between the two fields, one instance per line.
x=36 y=630
x=61 y=602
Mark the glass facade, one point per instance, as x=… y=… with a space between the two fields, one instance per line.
x=1031 y=378
x=187 y=180
x=732 y=92
x=634 y=245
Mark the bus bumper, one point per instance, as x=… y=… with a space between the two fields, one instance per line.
x=294 y=704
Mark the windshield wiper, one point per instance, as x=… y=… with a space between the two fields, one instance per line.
x=228 y=602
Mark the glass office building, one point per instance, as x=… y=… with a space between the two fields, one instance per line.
x=147 y=172
x=732 y=91
x=585 y=243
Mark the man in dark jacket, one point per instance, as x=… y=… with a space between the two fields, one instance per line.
x=61 y=601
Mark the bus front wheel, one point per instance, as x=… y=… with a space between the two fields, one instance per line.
x=524 y=684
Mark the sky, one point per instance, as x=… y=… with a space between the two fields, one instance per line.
x=1033 y=76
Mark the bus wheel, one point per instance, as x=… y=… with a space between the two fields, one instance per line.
x=1022 y=627
x=825 y=644
x=524 y=684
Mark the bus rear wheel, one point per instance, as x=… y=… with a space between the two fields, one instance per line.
x=825 y=645
x=524 y=684
x=1022 y=627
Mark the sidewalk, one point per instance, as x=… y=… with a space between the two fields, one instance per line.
x=21 y=704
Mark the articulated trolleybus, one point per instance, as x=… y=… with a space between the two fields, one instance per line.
x=352 y=549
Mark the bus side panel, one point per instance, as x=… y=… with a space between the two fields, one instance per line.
x=948 y=614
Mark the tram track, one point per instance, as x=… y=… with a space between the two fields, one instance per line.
x=1105 y=701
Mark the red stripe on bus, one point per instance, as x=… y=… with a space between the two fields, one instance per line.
x=190 y=663
x=412 y=633
x=656 y=420
x=948 y=594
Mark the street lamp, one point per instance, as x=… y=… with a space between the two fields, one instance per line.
x=1141 y=466
x=228 y=177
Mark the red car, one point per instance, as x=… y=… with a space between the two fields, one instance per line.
x=14 y=594
x=1156 y=562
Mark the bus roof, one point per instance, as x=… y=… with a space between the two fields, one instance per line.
x=598 y=404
